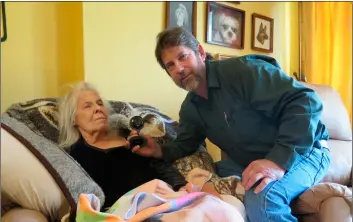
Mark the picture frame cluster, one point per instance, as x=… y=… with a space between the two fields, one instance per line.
x=225 y=25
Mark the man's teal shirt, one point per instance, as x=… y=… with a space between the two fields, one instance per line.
x=253 y=111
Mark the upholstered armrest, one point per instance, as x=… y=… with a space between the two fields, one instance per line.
x=317 y=199
x=335 y=209
x=23 y=215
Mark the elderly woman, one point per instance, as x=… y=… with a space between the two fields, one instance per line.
x=103 y=152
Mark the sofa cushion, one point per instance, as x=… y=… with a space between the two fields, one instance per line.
x=67 y=173
x=310 y=201
x=23 y=215
x=335 y=209
x=335 y=115
x=26 y=182
x=6 y=203
x=341 y=162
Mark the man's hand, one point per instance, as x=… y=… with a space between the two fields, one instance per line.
x=264 y=170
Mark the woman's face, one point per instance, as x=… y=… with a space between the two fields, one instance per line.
x=91 y=115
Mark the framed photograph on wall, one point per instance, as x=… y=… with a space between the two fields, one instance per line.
x=182 y=14
x=225 y=25
x=3 y=22
x=262 y=33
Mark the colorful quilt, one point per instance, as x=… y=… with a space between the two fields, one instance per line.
x=156 y=201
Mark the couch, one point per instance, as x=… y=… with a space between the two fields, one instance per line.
x=40 y=180
x=37 y=177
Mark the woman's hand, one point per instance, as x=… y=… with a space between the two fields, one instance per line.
x=151 y=149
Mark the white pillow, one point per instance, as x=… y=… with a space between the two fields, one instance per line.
x=27 y=182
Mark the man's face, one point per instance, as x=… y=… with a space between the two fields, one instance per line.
x=186 y=68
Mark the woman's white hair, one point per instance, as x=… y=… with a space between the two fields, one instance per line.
x=68 y=132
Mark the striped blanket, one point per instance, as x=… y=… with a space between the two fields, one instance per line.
x=156 y=201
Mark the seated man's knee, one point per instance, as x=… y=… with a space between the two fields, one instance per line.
x=268 y=205
x=254 y=203
x=258 y=205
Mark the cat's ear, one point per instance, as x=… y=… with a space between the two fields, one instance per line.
x=265 y=28
x=261 y=26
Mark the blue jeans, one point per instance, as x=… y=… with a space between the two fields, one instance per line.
x=273 y=203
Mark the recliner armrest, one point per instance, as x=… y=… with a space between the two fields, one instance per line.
x=310 y=202
x=19 y=214
x=335 y=209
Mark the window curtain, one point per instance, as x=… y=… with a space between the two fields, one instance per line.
x=326 y=46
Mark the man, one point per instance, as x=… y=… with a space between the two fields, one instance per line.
x=268 y=123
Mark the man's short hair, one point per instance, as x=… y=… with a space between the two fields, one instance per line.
x=176 y=36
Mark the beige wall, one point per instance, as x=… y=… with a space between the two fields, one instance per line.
x=119 y=53
x=119 y=47
x=28 y=58
x=43 y=50
x=111 y=44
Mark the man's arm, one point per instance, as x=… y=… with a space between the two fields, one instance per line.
x=295 y=108
x=188 y=140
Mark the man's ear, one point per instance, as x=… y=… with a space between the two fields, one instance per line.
x=201 y=52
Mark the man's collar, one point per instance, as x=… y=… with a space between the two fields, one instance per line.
x=211 y=74
x=211 y=78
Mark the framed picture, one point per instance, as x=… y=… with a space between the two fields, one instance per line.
x=3 y=22
x=262 y=33
x=182 y=14
x=225 y=25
